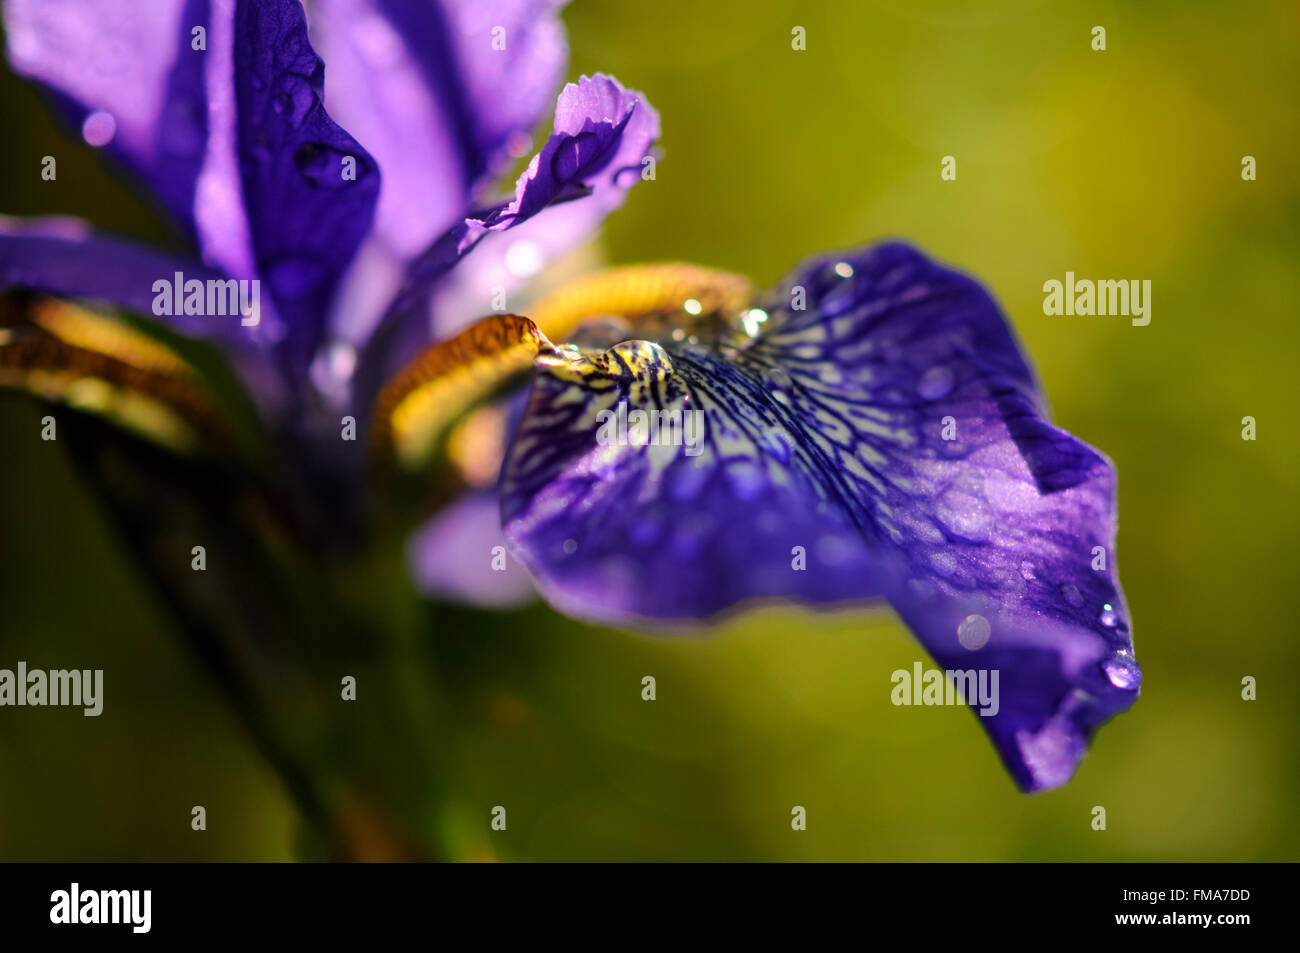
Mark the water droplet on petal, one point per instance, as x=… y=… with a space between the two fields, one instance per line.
x=99 y=128
x=753 y=321
x=935 y=383
x=1122 y=672
x=1108 y=616
x=570 y=546
x=777 y=381
x=1072 y=595
x=973 y=632
x=844 y=269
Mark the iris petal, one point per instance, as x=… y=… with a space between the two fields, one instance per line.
x=127 y=75
x=885 y=439
x=65 y=258
x=602 y=132
x=61 y=352
x=444 y=92
x=309 y=188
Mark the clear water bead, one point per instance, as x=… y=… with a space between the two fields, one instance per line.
x=1122 y=672
x=935 y=383
x=973 y=632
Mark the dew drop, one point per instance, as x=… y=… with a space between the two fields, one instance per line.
x=973 y=632
x=777 y=382
x=753 y=321
x=1108 y=616
x=1122 y=672
x=99 y=128
x=1072 y=595
x=570 y=546
x=935 y=383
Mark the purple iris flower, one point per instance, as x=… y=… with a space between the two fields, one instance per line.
x=867 y=430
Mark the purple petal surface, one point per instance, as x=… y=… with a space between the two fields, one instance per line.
x=125 y=74
x=309 y=188
x=65 y=258
x=452 y=556
x=602 y=131
x=888 y=439
x=596 y=147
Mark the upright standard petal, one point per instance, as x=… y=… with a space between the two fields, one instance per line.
x=595 y=147
x=309 y=188
x=512 y=55
x=442 y=93
x=868 y=429
x=508 y=261
x=128 y=76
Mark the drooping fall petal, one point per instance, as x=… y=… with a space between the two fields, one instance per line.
x=868 y=429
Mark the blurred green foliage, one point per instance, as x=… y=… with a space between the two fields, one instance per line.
x=1121 y=164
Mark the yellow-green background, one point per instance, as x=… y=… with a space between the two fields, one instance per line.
x=1115 y=164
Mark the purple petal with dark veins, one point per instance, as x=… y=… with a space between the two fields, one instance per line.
x=124 y=74
x=309 y=188
x=888 y=439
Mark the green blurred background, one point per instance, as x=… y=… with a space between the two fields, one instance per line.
x=1117 y=164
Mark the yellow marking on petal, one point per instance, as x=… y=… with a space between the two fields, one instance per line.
x=643 y=292
x=94 y=332
x=417 y=406
x=168 y=408
x=62 y=352
x=627 y=360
